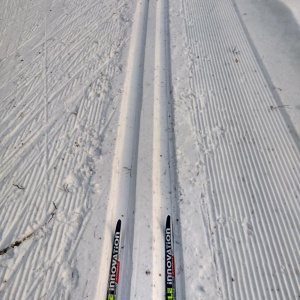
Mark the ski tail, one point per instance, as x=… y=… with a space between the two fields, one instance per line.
x=114 y=264
x=169 y=262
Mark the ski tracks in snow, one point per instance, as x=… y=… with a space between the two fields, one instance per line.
x=143 y=188
x=57 y=104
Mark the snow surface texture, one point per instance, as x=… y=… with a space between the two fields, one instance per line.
x=140 y=109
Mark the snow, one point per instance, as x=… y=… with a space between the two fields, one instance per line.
x=274 y=28
x=135 y=110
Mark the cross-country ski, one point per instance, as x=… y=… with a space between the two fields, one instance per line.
x=169 y=261
x=114 y=265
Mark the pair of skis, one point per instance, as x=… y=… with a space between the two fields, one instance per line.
x=169 y=263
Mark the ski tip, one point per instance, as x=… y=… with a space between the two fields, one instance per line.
x=168 y=222
x=118 y=227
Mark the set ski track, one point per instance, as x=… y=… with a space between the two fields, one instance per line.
x=143 y=187
x=170 y=272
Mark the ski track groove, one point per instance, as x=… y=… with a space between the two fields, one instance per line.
x=164 y=179
x=123 y=188
x=276 y=232
x=121 y=203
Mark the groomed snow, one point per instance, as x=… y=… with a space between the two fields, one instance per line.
x=135 y=110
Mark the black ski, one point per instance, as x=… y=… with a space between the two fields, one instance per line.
x=170 y=262
x=114 y=265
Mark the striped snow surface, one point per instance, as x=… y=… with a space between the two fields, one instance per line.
x=69 y=169
x=59 y=60
x=252 y=161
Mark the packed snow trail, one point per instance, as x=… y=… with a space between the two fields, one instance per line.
x=251 y=159
x=142 y=164
x=59 y=64
x=136 y=110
